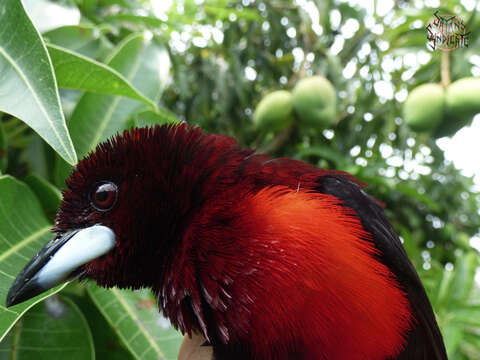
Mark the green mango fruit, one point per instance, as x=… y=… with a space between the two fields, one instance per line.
x=425 y=107
x=314 y=101
x=274 y=112
x=462 y=102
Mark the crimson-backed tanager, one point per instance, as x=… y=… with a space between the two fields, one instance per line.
x=263 y=258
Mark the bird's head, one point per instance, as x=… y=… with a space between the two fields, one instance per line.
x=122 y=214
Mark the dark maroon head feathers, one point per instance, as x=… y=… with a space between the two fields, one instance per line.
x=160 y=174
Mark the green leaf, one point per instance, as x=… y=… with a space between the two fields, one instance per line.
x=27 y=82
x=84 y=39
x=53 y=330
x=75 y=71
x=48 y=194
x=23 y=230
x=140 y=326
x=145 y=64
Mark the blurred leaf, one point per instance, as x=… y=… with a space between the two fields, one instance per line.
x=75 y=71
x=27 y=83
x=48 y=194
x=39 y=157
x=23 y=230
x=409 y=244
x=223 y=13
x=429 y=72
x=124 y=3
x=452 y=335
x=69 y=99
x=47 y=14
x=413 y=192
x=52 y=330
x=465 y=268
x=443 y=294
x=467 y=315
x=146 y=20
x=145 y=64
x=323 y=152
x=84 y=39
x=135 y=316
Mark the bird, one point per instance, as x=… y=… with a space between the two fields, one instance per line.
x=258 y=257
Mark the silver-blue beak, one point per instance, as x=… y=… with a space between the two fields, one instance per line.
x=60 y=260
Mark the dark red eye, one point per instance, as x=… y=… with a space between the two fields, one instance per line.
x=104 y=195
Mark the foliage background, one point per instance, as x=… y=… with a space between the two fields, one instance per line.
x=123 y=63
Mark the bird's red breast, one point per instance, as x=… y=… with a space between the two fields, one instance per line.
x=293 y=272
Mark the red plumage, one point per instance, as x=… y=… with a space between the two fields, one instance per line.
x=297 y=265
x=268 y=258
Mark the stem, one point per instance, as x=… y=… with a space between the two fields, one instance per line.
x=445 y=72
x=278 y=141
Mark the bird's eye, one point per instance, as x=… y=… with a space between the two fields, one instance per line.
x=104 y=195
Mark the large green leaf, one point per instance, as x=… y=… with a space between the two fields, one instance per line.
x=145 y=64
x=27 y=83
x=75 y=71
x=53 y=330
x=140 y=326
x=23 y=230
